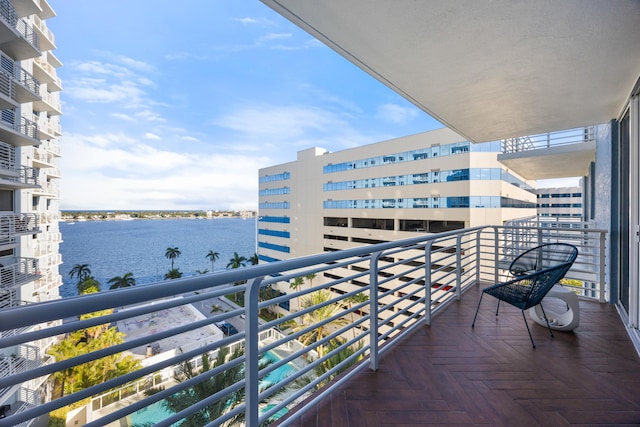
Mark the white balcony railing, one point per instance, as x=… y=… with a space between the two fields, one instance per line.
x=548 y=140
x=404 y=284
x=18 y=273
x=13 y=225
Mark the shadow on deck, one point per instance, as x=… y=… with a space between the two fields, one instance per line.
x=451 y=374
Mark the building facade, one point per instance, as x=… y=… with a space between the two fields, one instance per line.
x=425 y=183
x=560 y=202
x=29 y=192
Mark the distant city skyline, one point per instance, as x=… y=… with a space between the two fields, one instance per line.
x=178 y=107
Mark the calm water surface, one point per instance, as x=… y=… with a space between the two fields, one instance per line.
x=114 y=248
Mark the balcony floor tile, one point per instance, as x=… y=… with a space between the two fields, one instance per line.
x=450 y=374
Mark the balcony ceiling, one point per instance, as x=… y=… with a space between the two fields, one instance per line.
x=564 y=161
x=488 y=70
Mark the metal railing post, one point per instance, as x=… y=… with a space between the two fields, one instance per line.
x=602 y=266
x=251 y=351
x=373 y=310
x=495 y=254
x=427 y=283
x=539 y=237
x=478 y=249
x=458 y=266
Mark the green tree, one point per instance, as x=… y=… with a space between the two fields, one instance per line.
x=237 y=261
x=317 y=316
x=172 y=254
x=310 y=278
x=254 y=259
x=85 y=341
x=355 y=299
x=213 y=256
x=122 y=281
x=186 y=398
x=88 y=286
x=296 y=285
x=216 y=309
x=336 y=358
x=80 y=271
x=174 y=273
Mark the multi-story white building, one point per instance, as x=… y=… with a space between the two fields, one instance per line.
x=425 y=183
x=560 y=202
x=29 y=193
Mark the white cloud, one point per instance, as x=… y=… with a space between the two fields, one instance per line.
x=277 y=36
x=122 y=116
x=246 y=20
x=150 y=135
x=139 y=176
x=109 y=83
x=285 y=123
x=393 y=113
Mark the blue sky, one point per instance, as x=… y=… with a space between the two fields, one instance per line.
x=176 y=105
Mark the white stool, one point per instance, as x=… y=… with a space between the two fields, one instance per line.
x=566 y=320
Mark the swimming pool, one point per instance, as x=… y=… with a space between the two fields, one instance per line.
x=157 y=412
x=153 y=413
x=277 y=375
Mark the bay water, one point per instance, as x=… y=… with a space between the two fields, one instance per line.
x=114 y=248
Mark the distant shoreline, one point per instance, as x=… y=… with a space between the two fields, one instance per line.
x=71 y=216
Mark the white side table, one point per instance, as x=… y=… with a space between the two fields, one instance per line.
x=561 y=320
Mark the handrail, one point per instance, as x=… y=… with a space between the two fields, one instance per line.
x=405 y=283
x=548 y=140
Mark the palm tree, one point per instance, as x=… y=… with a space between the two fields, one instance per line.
x=174 y=273
x=296 y=285
x=213 y=257
x=355 y=299
x=172 y=254
x=88 y=286
x=237 y=261
x=317 y=316
x=254 y=259
x=211 y=385
x=310 y=278
x=80 y=271
x=122 y=282
x=216 y=309
x=337 y=358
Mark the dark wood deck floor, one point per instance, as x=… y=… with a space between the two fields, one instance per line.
x=449 y=374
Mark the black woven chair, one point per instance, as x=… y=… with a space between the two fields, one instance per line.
x=535 y=271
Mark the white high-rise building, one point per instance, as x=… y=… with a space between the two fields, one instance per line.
x=29 y=192
x=425 y=183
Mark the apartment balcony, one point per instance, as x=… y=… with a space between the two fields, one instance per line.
x=45 y=12
x=49 y=102
x=14 y=225
x=47 y=129
x=19 y=272
x=47 y=39
x=52 y=147
x=43 y=159
x=17 y=37
x=20 y=178
x=23 y=359
x=46 y=73
x=48 y=189
x=16 y=130
x=562 y=154
x=404 y=353
x=26 y=8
